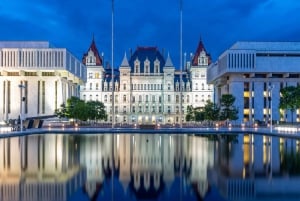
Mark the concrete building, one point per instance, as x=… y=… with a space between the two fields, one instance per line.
x=36 y=77
x=147 y=87
x=253 y=72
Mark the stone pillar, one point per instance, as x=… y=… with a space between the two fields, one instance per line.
x=236 y=88
x=259 y=101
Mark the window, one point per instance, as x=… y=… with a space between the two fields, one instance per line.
x=169 y=86
x=188 y=98
x=137 y=66
x=177 y=98
x=196 y=86
x=110 y=98
x=97 y=86
x=147 y=98
x=153 y=98
x=159 y=99
x=90 y=75
x=133 y=109
x=147 y=66
x=156 y=66
x=97 y=75
x=140 y=109
x=105 y=98
x=124 y=86
x=140 y=98
x=124 y=109
x=159 y=109
x=169 y=109
x=177 y=109
x=91 y=85
x=169 y=98
x=124 y=98
x=202 y=86
x=133 y=99
x=153 y=109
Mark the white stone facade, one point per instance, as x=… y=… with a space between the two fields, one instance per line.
x=147 y=86
x=42 y=76
x=253 y=72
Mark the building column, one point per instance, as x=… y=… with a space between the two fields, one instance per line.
x=236 y=88
x=258 y=101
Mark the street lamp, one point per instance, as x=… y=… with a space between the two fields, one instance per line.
x=270 y=88
x=21 y=86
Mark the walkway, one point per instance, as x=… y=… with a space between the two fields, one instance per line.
x=228 y=131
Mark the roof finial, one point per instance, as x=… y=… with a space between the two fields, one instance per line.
x=93 y=37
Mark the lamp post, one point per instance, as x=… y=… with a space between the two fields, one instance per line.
x=270 y=88
x=21 y=86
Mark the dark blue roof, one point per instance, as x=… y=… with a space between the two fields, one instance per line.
x=185 y=78
x=150 y=53
x=108 y=75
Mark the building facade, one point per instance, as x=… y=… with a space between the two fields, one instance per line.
x=146 y=87
x=254 y=73
x=36 y=78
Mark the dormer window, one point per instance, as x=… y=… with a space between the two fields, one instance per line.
x=147 y=66
x=137 y=66
x=177 y=86
x=91 y=59
x=156 y=66
x=202 y=59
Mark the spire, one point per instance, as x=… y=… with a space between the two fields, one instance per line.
x=125 y=61
x=169 y=62
x=200 y=48
x=94 y=49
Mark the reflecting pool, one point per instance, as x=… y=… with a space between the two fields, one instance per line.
x=149 y=167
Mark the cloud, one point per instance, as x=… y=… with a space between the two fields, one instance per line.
x=220 y=23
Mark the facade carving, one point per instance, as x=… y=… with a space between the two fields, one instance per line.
x=147 y=88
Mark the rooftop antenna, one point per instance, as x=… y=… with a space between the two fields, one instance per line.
x=112 y=64
x=180 y=55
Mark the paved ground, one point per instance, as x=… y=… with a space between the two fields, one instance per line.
x=86 y=130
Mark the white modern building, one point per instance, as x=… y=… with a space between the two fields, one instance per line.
x=36 y=77
x=253 y=72
x=147 y=87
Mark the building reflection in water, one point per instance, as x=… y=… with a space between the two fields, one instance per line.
x=39 y=167
x=147 y=166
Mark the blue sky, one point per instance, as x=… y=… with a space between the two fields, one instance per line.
x=220 y=23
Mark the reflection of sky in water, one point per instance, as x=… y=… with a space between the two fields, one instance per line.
x=148 y=167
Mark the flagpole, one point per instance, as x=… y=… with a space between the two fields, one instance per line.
x=112 y=64
x=180 y=55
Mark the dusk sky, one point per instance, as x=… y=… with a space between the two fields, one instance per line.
x=220 y=23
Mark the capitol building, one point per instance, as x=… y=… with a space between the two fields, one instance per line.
x=147 y=87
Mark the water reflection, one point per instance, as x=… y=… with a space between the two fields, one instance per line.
x=140 y=166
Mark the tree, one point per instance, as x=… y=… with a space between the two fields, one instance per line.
x=80 y=110
x=190 y=116
x=95 y=110
x=290 y=99
x=228 y=111
x=211 y=111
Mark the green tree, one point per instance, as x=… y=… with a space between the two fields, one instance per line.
x=228 y=111
x=62 y=111
x=190 y=116
x=290 y=99
x=211 y=111
x=96 y=110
